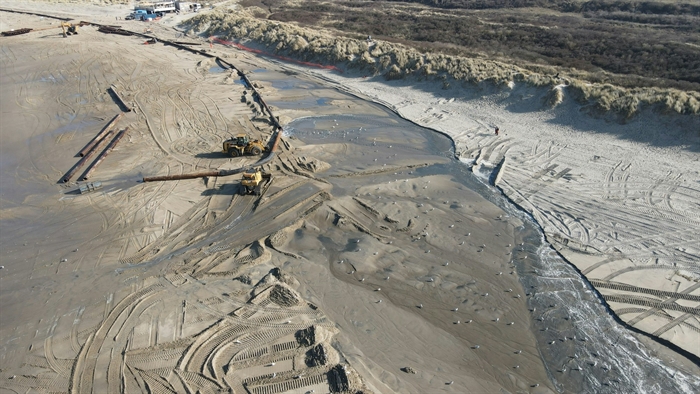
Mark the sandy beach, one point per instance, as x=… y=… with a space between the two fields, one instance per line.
x=400 y=245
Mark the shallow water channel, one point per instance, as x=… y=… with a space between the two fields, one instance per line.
x=583 y=347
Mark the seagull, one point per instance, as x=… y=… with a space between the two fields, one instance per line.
x=420 y=306
x=450 y=382
x=455 y=309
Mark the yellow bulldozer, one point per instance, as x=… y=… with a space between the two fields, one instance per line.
x=240 y=145
x=255 y=182
x=69 y=28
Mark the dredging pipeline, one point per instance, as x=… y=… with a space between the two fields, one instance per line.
x=256 y=95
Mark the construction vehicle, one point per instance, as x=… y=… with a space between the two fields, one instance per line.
x=254 y=181
x=69 y=29
x=240 y=145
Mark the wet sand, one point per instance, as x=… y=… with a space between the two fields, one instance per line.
x=187 y=285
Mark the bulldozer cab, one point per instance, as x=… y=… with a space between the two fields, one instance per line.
x=241 y=140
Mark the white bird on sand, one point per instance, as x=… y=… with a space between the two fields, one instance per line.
x=476 y=347
x=452 y=225
x=420 y=306
x=455 y=309
x=270 y=364
x=378 y=289
x=446 y=264
x=468 y=234
x=518 y=351
x=457 y=322
x=461 y=243
x=450 y=382
x=387 y=278
x=379 y=301
x=431 y=280
x=497 y=319
x=511 y=323
x=469 y=321
x=362 y=280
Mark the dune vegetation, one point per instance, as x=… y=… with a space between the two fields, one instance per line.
x=398 y=61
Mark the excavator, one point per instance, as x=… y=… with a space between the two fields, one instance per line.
x=255 y=182
x=241 y=145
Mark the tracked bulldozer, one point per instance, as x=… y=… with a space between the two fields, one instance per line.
x=240 y=145
x=255 y=182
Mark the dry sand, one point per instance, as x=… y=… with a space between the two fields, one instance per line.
x=188 y=286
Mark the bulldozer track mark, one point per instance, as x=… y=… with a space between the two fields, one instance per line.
x=288 y=385
x=651 y=304
x=203 y=384
x=658 y=293
x=652 y=267
x=83 y=376
x=675 y=322
x=155 y=384
x=653 y=311
x=51 y=359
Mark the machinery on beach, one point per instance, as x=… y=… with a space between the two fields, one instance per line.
x=254 y=181
x=241 y=145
